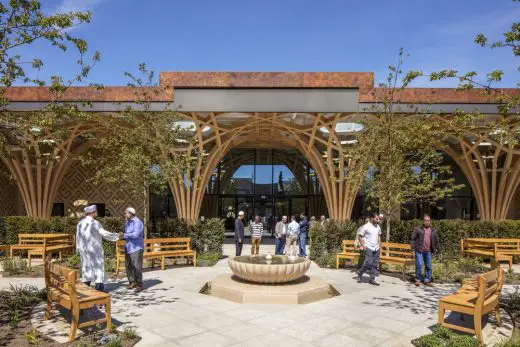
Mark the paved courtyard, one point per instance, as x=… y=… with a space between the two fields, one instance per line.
x=171 y=312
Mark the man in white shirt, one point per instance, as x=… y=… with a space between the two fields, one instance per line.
x=369 y=238
x=293 y=230
x=257 y=229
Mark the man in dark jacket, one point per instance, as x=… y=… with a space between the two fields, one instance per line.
x=239 y=233
x=304 y=228
x=424 y=243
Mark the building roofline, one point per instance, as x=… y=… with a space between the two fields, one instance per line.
x=363 y=81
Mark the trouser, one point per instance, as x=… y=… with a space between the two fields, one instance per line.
x=255 y=246
x=238 y=248
x=423 y=258
x=361 y=259
x=370 y=263
x=292 y=242
x=303 y=244
x=280 y=245
x=99 y=286
x=134 y=267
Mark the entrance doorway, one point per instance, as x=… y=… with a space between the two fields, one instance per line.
x=264 y=208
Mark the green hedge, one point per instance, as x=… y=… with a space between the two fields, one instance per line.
x=207 y=236
x=328 y=240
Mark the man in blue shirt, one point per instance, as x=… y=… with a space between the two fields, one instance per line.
x=134 y=237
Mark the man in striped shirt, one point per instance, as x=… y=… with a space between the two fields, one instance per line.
x=257 y=229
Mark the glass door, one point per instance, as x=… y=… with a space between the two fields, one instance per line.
x=264 y=209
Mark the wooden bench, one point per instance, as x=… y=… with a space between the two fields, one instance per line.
x=476 y=299
x=64 y=243
x=159 y=249
x=64 y=289
x=349 y=252
x=396 y=254
x=43 y=244
x=487 y=249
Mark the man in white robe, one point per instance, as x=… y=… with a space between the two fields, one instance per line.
x=89 y=245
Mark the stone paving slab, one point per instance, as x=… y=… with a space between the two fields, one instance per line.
x=171 y=312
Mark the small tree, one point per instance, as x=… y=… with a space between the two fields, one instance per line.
x=406 y=165
x=37 y=146
x=488 y=154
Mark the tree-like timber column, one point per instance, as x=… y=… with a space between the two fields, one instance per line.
x=492 y=169
x=39 y=161
x=198 y=160
x=340 y=165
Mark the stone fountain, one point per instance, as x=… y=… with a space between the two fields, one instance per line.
x=269 y=279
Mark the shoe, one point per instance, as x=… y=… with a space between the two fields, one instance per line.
x=131 y=286
x=374 y=283
x=417 y=283
x=138 y=289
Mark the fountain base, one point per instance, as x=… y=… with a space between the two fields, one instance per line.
x=303 y=291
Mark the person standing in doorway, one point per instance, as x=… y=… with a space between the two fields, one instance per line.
x=293 y=230
x=89 y=245
x=280 y=232
x=239 y=233
x=370 y=238
x=134 y=248
x=304 y=228
x=257 y=229
x=424 y=243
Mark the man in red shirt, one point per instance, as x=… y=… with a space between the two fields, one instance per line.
x=424 y=243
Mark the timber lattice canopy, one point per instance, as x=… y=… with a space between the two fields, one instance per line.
x=317 y=114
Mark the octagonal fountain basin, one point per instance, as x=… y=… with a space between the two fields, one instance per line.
x=270 y=269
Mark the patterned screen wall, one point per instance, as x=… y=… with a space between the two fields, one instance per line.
x=9 y=205
x=76 y=190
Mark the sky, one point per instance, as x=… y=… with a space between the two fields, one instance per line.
x=285 y=35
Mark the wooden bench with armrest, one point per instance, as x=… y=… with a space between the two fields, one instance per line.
x=396 y=254
x=159 y=249
x=475 y=298
x=64 y=289
x=349 y=252
x=485 y=249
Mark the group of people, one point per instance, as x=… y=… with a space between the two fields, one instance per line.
x=424 y=242
x=89 y=245
x=290 y=238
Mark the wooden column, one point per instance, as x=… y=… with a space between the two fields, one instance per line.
x=493 y=172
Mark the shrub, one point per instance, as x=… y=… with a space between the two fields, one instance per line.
x=512 y=342
x=455 y=270
x=208 y=259
x=15 y=266
x=114 y=342
x=32 y=337
x=128 y=334
x=206 y=236
x=429 y=341
x=73 y=261
x=463 y=341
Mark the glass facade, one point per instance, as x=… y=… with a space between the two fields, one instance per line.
x=276 y=182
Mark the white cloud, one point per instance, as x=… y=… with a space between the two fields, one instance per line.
x=77 y=5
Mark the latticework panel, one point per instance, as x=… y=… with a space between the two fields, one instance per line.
x=75 y=190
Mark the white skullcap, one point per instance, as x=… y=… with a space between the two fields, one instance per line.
x=131 y=210
x=241 y=213
x=90 y=209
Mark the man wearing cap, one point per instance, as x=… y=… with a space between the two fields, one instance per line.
x=134 y=249
x=89 y=245
x=239 y=233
